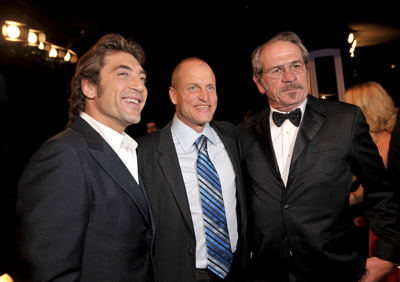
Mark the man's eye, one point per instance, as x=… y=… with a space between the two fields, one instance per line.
x=277 y=70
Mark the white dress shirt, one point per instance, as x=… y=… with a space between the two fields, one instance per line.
x=283 y=139
x=124 y=145
x=184 y=138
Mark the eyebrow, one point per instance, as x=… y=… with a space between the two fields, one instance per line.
x=280 y=66
x=142 y=71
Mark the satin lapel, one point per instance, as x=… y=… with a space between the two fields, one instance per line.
x=169 y=164
x=313 y=119
x=112 y=165
x=262 y=132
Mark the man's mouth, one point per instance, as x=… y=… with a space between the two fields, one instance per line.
x=130 y=100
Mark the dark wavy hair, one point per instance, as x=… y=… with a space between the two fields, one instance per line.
x=91 y=63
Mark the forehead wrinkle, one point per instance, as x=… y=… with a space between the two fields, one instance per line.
x=283 y=65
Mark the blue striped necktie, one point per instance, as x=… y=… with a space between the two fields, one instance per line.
x=219 y=251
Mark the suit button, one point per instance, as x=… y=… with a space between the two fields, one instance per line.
x=286 y=207
x=284 y=238
x=190 y=251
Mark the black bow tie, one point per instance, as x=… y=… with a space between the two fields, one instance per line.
x=294 y=117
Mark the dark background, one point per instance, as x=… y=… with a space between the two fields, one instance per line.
x=34 y=91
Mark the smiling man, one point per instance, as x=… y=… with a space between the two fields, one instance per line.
x=82 y=211
x=172 y=174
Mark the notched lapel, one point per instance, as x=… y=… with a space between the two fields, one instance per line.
x=116 y=169
x=112 y=165
x=169 y=164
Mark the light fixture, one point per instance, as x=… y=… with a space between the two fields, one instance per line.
x=53 y=52
x=36 y=37
x=15 y=31
x=350 y=38
x=354 y=44
x=57 y=51
x=6 y=278
x=71 y=57
x=19 y=32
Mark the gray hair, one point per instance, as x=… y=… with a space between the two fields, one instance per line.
x=282 y=36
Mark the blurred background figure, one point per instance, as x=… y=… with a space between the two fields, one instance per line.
x=380 y=112
x=151 y=127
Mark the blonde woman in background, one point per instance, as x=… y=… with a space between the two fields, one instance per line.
x=380 y=112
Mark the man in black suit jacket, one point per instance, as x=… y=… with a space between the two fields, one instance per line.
x=300 y=173
x=167 y=165
x=83 y=214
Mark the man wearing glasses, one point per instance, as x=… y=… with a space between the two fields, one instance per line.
x=300 y=155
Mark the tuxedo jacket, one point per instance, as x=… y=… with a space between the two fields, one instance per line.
x=308 y=223
x=81 y=214
x=394 y=156
x=175 y=243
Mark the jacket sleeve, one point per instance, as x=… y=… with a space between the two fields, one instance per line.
x=52 y=210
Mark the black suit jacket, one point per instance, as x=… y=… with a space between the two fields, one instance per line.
x=310 y=217
x=82 y=216
x=394 y=156
x=175 y=243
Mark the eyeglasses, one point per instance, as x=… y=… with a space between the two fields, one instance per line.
x=277 y=72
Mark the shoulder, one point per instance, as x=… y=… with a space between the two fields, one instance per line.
x=149 y=139
x=225 y=128
x=323 y=104
x=258 y=118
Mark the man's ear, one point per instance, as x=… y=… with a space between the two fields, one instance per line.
x=88 y=88
x=172 y=95
x=259 y=85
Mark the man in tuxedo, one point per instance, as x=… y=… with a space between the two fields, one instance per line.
x=168 y=166
x=83 y=214
x=300 y=163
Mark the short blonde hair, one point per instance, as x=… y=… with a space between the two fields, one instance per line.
x=376 y=104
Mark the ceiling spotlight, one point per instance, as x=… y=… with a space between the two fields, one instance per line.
x=36 y=37
x=15 y=31
x=350 y=38
x=67 y=57
x=53 y=52
x=71 y=57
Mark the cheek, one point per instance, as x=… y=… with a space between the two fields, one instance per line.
x=214 y=99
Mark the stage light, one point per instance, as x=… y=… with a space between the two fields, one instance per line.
x=15 y=31
x=71 y=57
x=36 y=37
x=53 y=52
x=350 y=38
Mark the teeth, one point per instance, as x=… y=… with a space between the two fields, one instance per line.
x=203 y=107
x=132 y=101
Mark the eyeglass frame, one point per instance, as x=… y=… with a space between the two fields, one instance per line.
x=283 y=68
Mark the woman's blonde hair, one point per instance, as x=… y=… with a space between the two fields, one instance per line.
x=376 y=104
